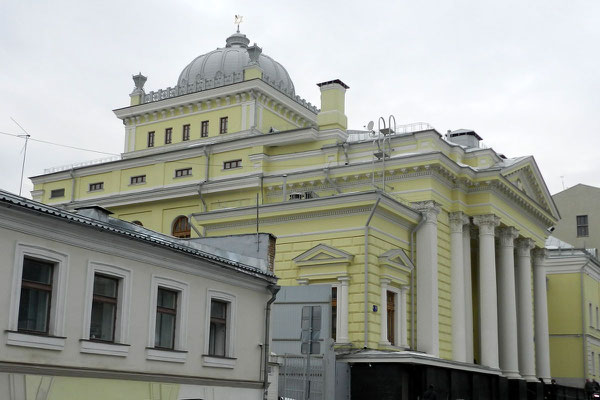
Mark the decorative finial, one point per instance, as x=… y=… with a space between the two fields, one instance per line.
x=238 y=20
x=139 y=81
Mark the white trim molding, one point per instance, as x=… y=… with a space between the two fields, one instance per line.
x=229 y=360
x=55 y=339
x=179 y=353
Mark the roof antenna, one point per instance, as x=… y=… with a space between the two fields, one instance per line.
x=562 y=178
x=26 y=136
x=237 y=21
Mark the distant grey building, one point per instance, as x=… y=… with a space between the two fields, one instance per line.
x=579 y=208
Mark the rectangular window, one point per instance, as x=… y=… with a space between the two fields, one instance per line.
x=36 y=294
x=204 y=129
x=151 y=139
x=168 y=135
x=232 y=164
x=333 y=313
x=391 y=317
x=218 y=328
x=137 y=180
x=223 y=125
x=104 y=308
x=582 y=225
x=57 y=193
x=166 y=318
x=183 y=172
x=96 y=186
x=186 y=133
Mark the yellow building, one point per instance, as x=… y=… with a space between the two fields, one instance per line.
x=573 y=316
x=401 y=221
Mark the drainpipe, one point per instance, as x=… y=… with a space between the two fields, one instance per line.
x=366 y=311
x=200 y=194
x=206 y=152
x=72 y=173
x=189 y=217
x=273 y=289
x=583 y=335
x=345 y=148
x=328 y=179
x=412 y=281
x=284 y=189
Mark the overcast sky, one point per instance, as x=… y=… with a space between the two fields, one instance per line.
x=525 y=75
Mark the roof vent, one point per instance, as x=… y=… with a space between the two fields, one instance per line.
x=464 y=137
x=94 y=212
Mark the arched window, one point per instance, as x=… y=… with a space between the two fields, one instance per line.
x=181 y=227
x=137 y=223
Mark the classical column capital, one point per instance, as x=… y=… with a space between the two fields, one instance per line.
x=538 y=256
x=385 y=282
x=344 y=280
x=430 y=209
x=524 y=247
x=302 y=282
x=508 y=236
x=457 y=220
x=486 y=223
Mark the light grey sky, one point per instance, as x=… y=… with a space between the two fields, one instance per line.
x=524 y=74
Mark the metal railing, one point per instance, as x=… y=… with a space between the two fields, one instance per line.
x=81 y=164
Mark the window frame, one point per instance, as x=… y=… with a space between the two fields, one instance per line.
x=135 y=177
x=174 y=224
x=232 y=164
x=54 y=339
x=204 y=125
x=169 y=311
x=168 y=135
x=179 y=352
x=96 y=187
x=223 y=125
x=583 y=226
x=150 y=139
x=54 y=193
x=229 y=360
x=119 y=346
x=179 y=173
x=185 y=133
x=38 y=286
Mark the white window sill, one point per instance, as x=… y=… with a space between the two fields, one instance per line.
x=104 y=348
x=37 y=341
x=176 y=356
x=218 y=362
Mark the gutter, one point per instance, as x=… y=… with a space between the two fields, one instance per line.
x=274 y=289
x=366 y=311
x=412 y=281
x=583 y=334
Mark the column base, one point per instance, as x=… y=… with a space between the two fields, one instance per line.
x=511 y=374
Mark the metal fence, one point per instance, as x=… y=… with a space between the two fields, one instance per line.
x=293 y=377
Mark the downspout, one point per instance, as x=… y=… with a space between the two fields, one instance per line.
x=412 y=281
x=273 y=289
x=345 y=148
x=202 y=198
x=366 y=311
x=284 y=188
x=72 y=173
x=206 y=152
x=583 y=335
x=328 y=179
x=189 y=217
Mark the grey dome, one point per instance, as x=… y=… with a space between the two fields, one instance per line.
x=229 y=61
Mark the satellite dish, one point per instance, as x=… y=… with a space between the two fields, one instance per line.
x=370 y=126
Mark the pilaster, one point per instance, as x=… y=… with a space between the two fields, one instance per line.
x=383 y=314
x=427 y=280
x=343 y=310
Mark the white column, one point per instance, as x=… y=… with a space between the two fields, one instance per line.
x=458 y=294
x=488 y=311
x=468 y=293
x=383 y=312
x=342 y=311
x=427 y=280
x=403 y=337
x=525 y=310
x=542 y=345
x=507 y=304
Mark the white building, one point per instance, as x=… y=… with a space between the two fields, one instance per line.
x=97 y=308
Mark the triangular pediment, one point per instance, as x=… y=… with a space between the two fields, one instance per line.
x=525 y=175
x=396 y=258
x=323 y=254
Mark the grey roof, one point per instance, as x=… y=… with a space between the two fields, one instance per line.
x=232 y=59
x=555 y=243
x=133 y=231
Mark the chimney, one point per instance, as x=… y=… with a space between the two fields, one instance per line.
x=333 y=100
x=94 y=212
x=464 y=137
